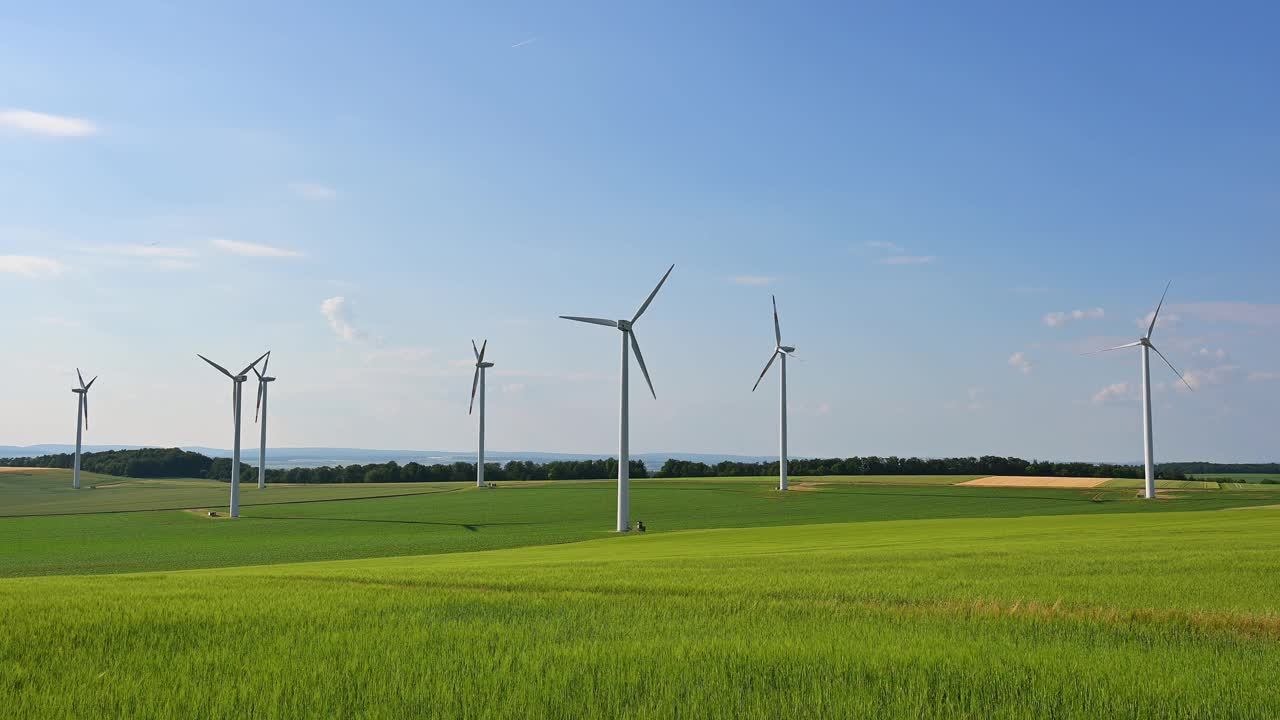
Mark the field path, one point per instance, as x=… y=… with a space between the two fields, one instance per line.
x=1035 y=482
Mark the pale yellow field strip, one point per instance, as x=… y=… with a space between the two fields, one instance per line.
x=23 y=470
x=1035 y=482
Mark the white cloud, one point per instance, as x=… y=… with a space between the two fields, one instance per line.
x=1261 y=315
x=252 y=249
x=753 y=280
x=313 y=191
x=31 y=266
x=45 y=124
x=975 y=398
x=1167 y=320
x=908 y=260
x=1114 y=391
x=526 y=41
x=341 y=319
x=884 y=245
x=1019 y=361
x=1058 y=319
x=1208 y=376
x=56 y=321
x=1218 y=354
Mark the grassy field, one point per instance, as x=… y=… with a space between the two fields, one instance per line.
x=1238 y=477
x=1070 y=616
x=849 y=597
x=327 y=522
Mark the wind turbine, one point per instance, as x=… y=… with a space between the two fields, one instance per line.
x=624 y=452
x=236 y=381
x=1145 y=343
x=263 y=380
x=478 y=380
x=82 y=414
x=779 y=351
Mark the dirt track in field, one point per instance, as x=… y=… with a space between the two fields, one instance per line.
x=1036 y=482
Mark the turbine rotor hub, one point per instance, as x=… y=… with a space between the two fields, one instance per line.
x=624 y=325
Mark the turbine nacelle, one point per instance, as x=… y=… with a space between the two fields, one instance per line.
x=624 y=325
x=484 y=365
x=786 y=349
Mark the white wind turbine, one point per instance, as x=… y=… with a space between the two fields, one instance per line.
x=779 y=351
x=82 y=415
x=624 y=452
x=478 y=380
x=263 y=380
x=1145 y=343
x=236 y=381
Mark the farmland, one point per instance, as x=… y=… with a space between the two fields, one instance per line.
x=851 y=597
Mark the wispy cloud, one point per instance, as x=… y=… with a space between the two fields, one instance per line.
x=149 y=251
x=1208 y=376
x=1256 y=314
x=526 y=41
x=1058 y=319
x=31 y=266
x=341 y=318
x=252 y=249
x=1263 y=376
x=753 y=280
x=1168 y=320
x=313 y=191
x=46 y=124
x=909 y=260
x=57 y=321
x=883 y=245
x=1020 y=362
x=1110 y=393
x=1218 y=354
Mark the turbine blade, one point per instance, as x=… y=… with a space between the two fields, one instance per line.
x=594 y=321
x=85 y=400
x=649 y=299
x=1174 y=369
x=767 y=365
x=216 y=365
x=635 y=347
x=484 y=346
x=265 y=364
x=777 y=329
x=1135 y=343
x=91 y=382
x=475 y=351
x=1156 y=314
x=81 y=378
x=475 y=382
x=255 y=362
x=258 y=405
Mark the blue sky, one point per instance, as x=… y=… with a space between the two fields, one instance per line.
x=951 y=203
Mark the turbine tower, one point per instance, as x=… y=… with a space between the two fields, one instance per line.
x=263 y=380
x=478 y=380
x=1144 y=342
x=779 y=351
x=624 y=452
x=236 y=381
x=82 y=415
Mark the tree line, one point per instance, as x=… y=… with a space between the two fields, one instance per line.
x=177 y=463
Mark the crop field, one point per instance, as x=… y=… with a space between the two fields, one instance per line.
x=893 y=597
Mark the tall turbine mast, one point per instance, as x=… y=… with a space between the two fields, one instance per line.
x=1148 y=460
x=82 y=421
x=263 y=381
x=779 y=351
x=624 y=451
x=478 y=380
x=236 y=381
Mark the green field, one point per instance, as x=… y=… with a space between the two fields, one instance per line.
x=855 y=597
